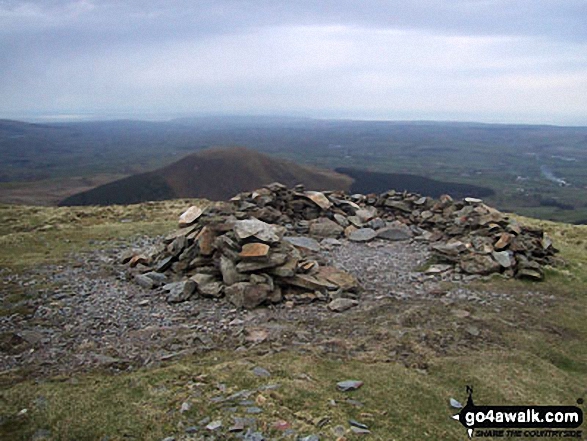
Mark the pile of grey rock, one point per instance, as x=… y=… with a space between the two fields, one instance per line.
x=264 y=246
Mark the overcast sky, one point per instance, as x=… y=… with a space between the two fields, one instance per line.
x=469 y=60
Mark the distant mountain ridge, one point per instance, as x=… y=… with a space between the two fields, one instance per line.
x=215 y=174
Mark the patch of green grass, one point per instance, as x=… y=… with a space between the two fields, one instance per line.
x=33 y=235
x=397 y=402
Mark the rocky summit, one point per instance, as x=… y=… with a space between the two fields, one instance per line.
x=263 y=247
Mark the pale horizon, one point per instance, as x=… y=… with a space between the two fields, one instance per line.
x=488 y=61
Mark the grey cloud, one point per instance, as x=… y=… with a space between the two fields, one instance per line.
x=269 y=55
x=564 y=19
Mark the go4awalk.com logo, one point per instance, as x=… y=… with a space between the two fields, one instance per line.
x=519 y=421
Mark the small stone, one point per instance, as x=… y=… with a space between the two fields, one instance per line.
x=319 y=199
x=189 y=216
x=254 y=250
x=274 y=259
x=338 y=431
x=324 y=227
x=310 y=438
x=253 y=410
x=363 y=235
x=398 y=205
x=454 y=403
x=238 y=425
x=247 y=295
x=180 y=291
x=360 y=431
x=144 y=281
x=394 y=234
x=230 y=275
x=212 y=289
x=329 y=243
x=281 y=425
x=310 y=282
x=202 y=279
x=206 y=239
x=479 y=264
x=342 y=279
x=214 y=425
x=460 y=313
x=503 y=258
x=473 y=330
x=341 y=220
x=342 y=304
x=164 y=264
x=256 y=228
x=256 y=335
x=306 y=243
x=349 y=385
x=366 y=214
x=253 y=436
x=438 y=269
x=376 y=223
x=504 y=240
x=355 y=423
x=451 y=249
x=261 y=372
x=138 y=259
x=158 y=278
x=529 y=273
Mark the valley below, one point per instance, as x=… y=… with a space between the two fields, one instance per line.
x=46 y=163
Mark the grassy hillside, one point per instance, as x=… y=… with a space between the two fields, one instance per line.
x=533 y=351
x=216 y=174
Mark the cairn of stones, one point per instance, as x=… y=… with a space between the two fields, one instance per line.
x=263 y=247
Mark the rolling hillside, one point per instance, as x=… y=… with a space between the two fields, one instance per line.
x=215 y=174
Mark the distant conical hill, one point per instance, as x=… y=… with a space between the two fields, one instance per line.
x=215 y=174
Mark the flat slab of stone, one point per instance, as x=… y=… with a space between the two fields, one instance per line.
x=247 y=295
x=504 y=240
x=324 y=227
x=144 y=281
x=256 y=228
x=348 y=385
x=394 y=234
x=319 y=199
x=275 y=259
x=503 y=258
x=438 y=268
x=254 y=250
x=342 y=279
x=206 y=239
x=363 y=235
x=342 y=304
x=180 y=291
x=479 y=264
x=310 y=282
x=189 y=216
x=366 y=214
x=306 y=243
